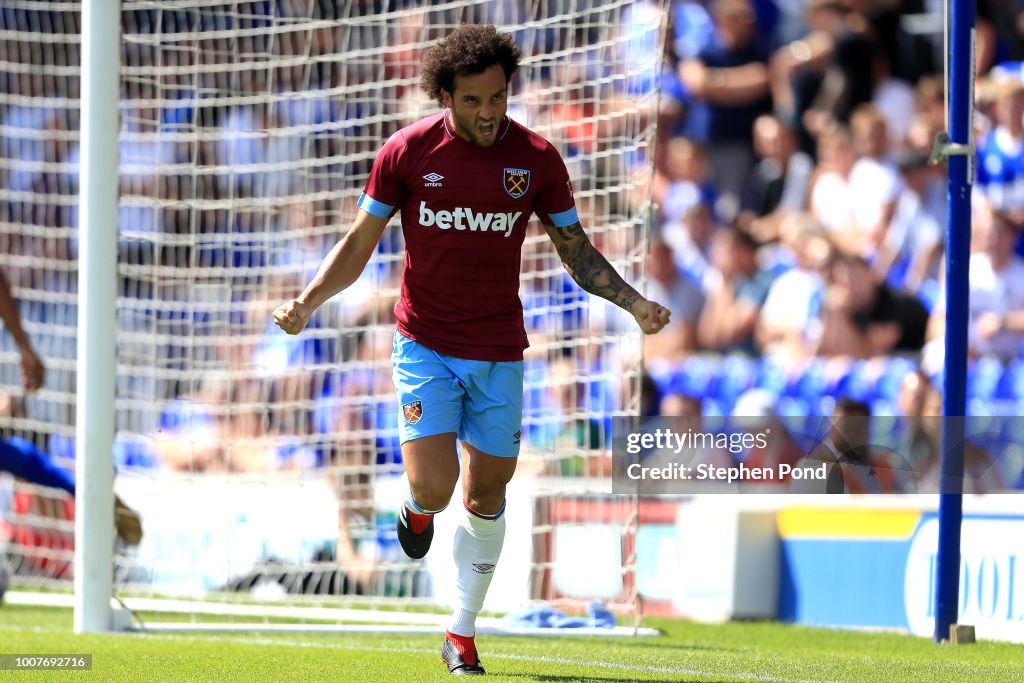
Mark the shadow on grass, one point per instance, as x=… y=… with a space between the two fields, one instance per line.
x=660 y=678
x=643 y=642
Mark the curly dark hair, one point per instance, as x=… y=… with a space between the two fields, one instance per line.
x=468 y=50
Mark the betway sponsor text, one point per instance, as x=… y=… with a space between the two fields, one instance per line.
x=467 y=219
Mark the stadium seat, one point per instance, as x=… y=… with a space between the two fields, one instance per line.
x=129 y=452
x=883 y=407
x=854 y=383
x=984 y=378
x=794 y=414
x=387 y=441
x=134 y=453
x=978 y=406
x=822 y=406
x=793 y=407
x=805 y=426
x=809 y=385
x=61 y=446
x=1004 y=407
x=736 y=374
x=772 y=375
x=713 y=408
x=1011 y=383
x=695 y=377
x=838 y=369
x=661 y=373
x=888 y=386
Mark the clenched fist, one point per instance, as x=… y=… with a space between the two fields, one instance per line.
x=650 y=316
x=293 y=316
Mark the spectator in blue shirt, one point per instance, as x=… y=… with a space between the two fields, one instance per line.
x=1001 y=154
x=730 y=75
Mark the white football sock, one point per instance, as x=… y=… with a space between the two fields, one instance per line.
x=478 y=541
x=463 y=623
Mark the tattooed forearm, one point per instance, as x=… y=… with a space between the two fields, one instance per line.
x=569 y=232
x=590 y=269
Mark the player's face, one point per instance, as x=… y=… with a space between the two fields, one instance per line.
x=478 y=105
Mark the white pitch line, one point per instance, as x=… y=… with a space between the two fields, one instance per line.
x=397 y=622
x=544 y=659
x=425 y=651
x=493 y=629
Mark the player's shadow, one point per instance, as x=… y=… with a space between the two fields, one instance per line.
x=685 y=646
x=652 y=677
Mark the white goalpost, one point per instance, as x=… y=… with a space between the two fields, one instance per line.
x=96 y=357
x=266 y=468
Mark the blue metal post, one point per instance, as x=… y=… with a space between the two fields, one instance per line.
x=954 y=394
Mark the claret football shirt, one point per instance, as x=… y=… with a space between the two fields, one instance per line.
x=464 y=214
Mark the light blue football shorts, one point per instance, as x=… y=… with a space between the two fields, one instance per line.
x=481 y=401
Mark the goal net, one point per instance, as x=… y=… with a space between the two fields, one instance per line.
x=264 y=466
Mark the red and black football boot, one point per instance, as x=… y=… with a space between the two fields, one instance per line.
x=415 y=532
x=459 y=654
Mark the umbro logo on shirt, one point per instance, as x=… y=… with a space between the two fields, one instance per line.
x=433 y=180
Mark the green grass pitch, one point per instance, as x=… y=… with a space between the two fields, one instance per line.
x=687 y=652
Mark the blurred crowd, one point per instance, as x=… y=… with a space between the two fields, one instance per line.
x=247 y=132
x=798 y=207
x=799 y=237
x=802 y=233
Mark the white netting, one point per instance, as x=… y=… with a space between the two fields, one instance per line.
x=247 y=132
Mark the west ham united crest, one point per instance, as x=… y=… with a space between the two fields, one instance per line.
x=517 y=182
x=413 y=412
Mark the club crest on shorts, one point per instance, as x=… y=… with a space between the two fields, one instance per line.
x=517 y=182
x=413 y=412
